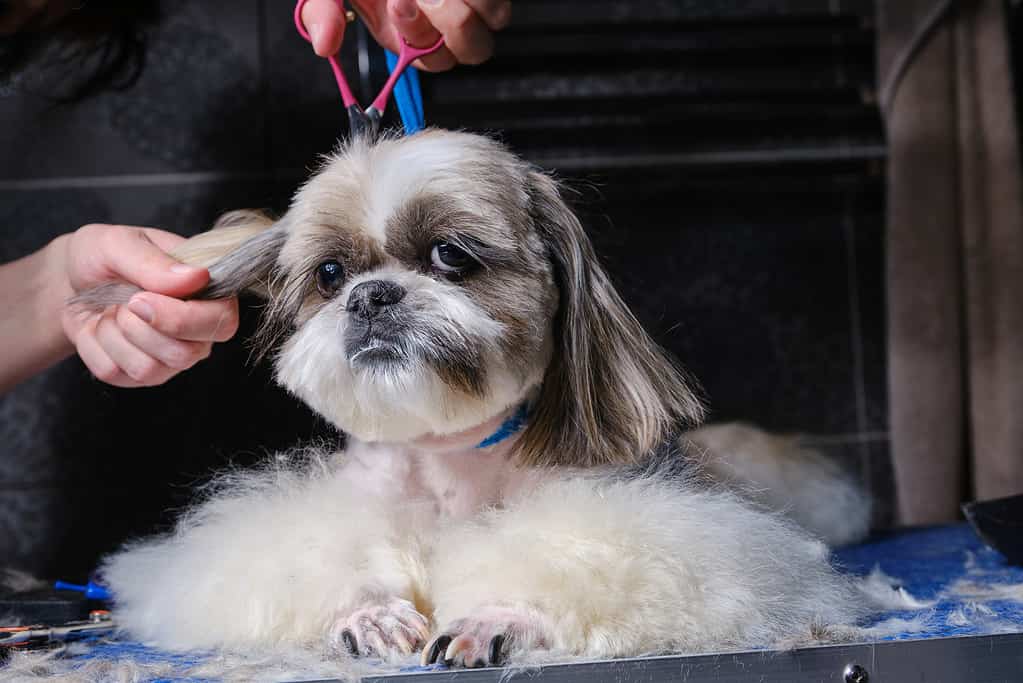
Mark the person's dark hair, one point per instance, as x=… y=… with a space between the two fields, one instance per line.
x=96 y=45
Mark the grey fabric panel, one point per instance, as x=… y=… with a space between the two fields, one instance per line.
x=955 y=261
x=923 y=273
x=992 y=215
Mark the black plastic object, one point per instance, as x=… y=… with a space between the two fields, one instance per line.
x=45 y=606
x=999 y=523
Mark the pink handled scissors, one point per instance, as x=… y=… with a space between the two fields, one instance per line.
x=368 y=121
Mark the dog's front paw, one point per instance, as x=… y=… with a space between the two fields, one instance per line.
x=488 y=637
x=381 y=627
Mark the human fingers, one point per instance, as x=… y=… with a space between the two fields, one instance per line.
x=324 y=21
x=496 y=14
x=465 y=33
x=129 y=359
x=414 y=26
x=98 y=361
x=201 y=321
x=176 y=354
x=99 y=253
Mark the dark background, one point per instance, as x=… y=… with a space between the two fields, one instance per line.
x=728 y=156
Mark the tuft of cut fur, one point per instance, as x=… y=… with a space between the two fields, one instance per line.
x=18 y=581
x=265 y=664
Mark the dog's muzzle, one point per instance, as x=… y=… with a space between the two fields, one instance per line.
x=368 y=299
x=375 y=327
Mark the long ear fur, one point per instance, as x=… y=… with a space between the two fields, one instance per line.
x=239 y=252
x=610 y=394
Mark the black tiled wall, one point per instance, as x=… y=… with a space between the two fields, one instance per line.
x=726 y=156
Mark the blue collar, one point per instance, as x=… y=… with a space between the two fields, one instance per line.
x=513 y=424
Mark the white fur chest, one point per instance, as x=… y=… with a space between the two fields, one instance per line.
x=453 y=483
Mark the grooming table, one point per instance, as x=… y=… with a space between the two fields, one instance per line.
x=970 y=632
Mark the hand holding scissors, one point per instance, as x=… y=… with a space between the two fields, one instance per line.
x=367 y=121
x=466 y=26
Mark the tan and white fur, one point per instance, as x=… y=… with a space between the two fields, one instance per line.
x=419 y=290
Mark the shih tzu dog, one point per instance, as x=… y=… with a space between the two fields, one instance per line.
x=516 y=479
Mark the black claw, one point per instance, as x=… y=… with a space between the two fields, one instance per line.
x=439 y=646
x=478 y=664
x=496 y=644
x=349 y=640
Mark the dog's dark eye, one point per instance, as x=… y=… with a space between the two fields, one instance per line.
x=329 y=278
x=447 y=258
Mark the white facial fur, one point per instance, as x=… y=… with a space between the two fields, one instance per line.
x=397 y=402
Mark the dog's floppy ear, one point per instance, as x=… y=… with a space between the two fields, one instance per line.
x=610 y=394
x=239 y=251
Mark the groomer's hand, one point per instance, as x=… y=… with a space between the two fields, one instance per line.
x=155 y=335
x=466 y=25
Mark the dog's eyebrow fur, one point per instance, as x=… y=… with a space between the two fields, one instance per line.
x=487 y=255
x=355 y=251
x=429 y=218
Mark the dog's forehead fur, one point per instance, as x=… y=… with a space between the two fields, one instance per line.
x=443 y=181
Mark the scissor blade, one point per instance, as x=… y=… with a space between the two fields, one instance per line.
x=363 y=123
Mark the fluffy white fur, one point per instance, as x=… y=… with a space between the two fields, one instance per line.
x=414 y=539
x=284 y=664
x=587 y=564
x=622 y=567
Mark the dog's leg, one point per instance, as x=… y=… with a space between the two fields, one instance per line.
x=488 y=636
x=618 y=567
x=382 y=626
x=276 y=556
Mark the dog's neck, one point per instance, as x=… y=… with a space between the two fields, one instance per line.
x=452 y=472
x=500 y=430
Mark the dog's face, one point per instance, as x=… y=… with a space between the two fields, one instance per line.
x=420 y=295
x=423 y=285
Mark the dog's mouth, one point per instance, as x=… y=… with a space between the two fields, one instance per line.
x=375 y=352
x=374 y=346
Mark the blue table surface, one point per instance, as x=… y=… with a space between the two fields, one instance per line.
x=926 y=562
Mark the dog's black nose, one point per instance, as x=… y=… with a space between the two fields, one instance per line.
x=367 y=298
